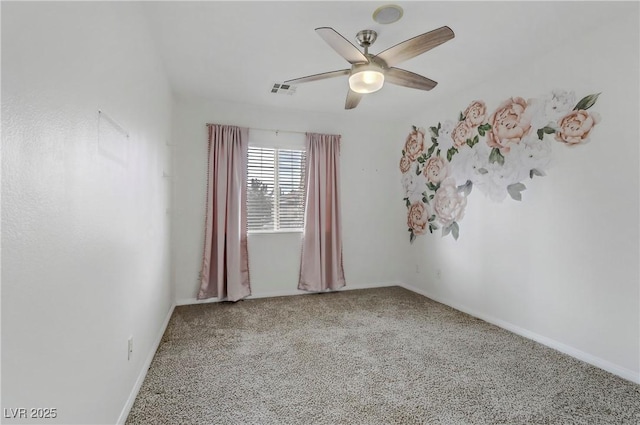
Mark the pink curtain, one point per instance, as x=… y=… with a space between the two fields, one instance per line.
x=321 y=264
x=225 y=262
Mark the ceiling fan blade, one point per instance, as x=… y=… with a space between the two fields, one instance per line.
x=415 y=46
x=353 y=99
x=406 y=78
x=316 y=77
x=341 y=45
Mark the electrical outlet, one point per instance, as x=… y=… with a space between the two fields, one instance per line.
x=130 y=348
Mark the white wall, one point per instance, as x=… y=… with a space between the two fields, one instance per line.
x=85 y=233
x=562 y=265
x=374 y=248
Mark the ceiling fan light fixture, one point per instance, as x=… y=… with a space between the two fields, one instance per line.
x=366 y=79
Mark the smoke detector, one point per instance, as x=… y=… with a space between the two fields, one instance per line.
x=387 y=14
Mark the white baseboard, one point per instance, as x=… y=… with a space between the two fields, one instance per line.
x=286 y=293
x=145 y=368
x=620 y=371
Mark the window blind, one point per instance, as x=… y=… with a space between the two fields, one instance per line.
x=275 y=189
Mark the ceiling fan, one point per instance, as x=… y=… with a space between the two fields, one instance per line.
x=369 y=72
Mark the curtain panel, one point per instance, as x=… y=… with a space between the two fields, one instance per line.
x=225 y=260
x=321 y=266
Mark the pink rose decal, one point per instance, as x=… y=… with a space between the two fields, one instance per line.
x=509 y=124
x=405 y=164
x=461 y=133
x=436 y=169
x=414 y=146
x=418 y=218
x=475 y=113
x=575 y=127
x=518 y=145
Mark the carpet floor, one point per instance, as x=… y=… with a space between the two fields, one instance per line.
x=374 y=356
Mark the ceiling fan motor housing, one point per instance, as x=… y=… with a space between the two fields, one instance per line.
x=366 y=38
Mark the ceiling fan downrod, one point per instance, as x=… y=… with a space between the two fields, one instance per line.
x=366 y=38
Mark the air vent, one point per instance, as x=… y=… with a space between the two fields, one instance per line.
x=283 y=89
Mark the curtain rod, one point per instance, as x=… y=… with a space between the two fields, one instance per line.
x=271 y=129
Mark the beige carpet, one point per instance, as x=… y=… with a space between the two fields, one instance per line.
x=376 y=356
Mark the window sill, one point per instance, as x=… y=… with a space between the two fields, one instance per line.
x=273 y=232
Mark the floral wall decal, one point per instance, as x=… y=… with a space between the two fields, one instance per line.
x=493 y=152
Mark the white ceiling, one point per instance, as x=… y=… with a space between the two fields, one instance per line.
x=235 y=51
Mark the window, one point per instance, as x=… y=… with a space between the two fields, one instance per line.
x=275 y=189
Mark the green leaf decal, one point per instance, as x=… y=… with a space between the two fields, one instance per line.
x=466 y=188
x=455 y=230
x=439 y=127
x=408 y=203
x=482 y=129
x=536 y=172
x=587 y=102
x=434 y=130
x=515 y=189
x=438 y=152
x=446 y=230
x=412 y=237
x=433 y=187
x=421 y=160
x=450 y=153
x=431 y=149
x=482 y=170
x=545 y=130
x=461 y=118
x=403 y=152
x=496 y=156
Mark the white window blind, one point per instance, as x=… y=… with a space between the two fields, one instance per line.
x=275 y=189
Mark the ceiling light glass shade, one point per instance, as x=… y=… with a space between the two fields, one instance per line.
x=366 y=79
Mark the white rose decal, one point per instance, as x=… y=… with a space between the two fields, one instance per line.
x=414 y=186
x=445 y=142
x=559 y=104
x=448 y=204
